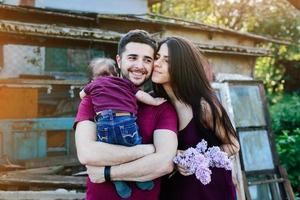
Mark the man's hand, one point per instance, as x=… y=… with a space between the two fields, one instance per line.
x=96 y=174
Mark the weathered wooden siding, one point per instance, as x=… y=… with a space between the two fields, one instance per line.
x=18 y=103
x=232 y=64
x=209 y=38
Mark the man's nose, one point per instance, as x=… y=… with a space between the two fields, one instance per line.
x=139 y=63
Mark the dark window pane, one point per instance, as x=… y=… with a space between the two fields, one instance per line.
x=69 y=60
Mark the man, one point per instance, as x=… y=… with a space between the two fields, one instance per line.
x=157 y=124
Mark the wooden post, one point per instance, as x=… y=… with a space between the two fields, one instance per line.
x=286 y=184
x=245 y=181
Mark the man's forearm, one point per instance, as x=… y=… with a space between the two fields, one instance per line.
x=151 y=166
x=92 y=152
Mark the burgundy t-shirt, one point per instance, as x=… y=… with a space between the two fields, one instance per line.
x=110 y=92
x=149 y=118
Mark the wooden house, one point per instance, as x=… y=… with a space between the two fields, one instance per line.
x=44 y=50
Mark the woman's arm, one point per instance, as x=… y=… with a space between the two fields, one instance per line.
x=230 y=142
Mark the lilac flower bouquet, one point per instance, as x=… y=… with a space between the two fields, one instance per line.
x=199 y=160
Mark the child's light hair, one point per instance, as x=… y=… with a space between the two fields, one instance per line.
x=107 y=66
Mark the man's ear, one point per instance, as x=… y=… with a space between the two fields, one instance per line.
x=118 y=59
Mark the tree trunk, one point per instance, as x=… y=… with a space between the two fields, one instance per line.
x=295 y=3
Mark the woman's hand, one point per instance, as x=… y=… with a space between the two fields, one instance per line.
x=182 y=169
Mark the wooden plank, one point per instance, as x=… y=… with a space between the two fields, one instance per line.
x=10 y=167
x=43 y=82
x=51 y=161
x=7 y=165
x=42 y=170
x=37 y=195
x=286 y=184
x=276 y=180
x=16 y=103
x=43 y=181
x=37 y=124
x=246 y=188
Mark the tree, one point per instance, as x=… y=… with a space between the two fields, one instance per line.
x=274 y=18
x=295 y=3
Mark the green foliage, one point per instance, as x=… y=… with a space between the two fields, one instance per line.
x=286 y=114
x=273 y=78
x=286 y=125
x=288 y=147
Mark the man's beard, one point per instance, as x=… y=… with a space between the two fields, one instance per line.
x=134 y=69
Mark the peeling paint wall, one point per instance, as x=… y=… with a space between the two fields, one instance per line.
x=22 y=59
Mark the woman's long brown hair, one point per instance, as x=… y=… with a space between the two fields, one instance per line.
x=191 y=85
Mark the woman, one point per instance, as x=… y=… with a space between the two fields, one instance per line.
x=179 y=76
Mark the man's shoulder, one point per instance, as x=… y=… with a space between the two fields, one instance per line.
x=166 y=106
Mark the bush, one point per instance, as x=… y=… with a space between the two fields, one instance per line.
x=286 y=114
x=288 y=147
x=286 y=126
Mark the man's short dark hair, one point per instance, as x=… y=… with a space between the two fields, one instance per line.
x=139 y=36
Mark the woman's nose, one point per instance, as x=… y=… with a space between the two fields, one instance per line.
x=157 y=63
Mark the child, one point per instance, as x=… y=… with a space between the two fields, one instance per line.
x=114 y=101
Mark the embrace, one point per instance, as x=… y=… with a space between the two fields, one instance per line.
x=128 y=139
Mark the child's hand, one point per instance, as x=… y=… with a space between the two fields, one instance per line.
x=159 y=100
x=82 y=94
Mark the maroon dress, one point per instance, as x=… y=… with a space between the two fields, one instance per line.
x=182 y=187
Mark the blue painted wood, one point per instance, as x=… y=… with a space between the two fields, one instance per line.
x=29 y=145
x=27 y=138
x=39 y=123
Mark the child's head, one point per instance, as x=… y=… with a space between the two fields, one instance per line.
x=102 y=67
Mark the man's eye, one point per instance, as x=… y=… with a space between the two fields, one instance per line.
x=148 y=60
x=131 y=58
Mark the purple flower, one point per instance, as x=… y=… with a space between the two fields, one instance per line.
x=201 y=146
x=203 y=174
x=218 y=158
x=199 y=160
